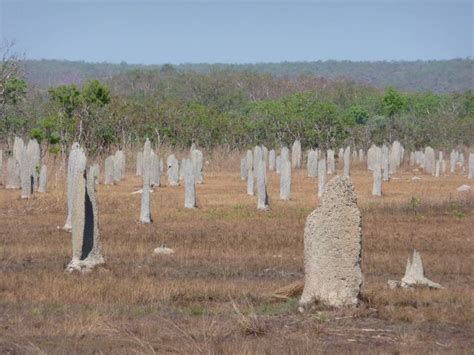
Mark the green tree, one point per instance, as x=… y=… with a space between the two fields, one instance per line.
x=79 y=112
x=95 y=93
x=46 y=130
x=13 y=90
x=68 y=98
x=393 y=102
x=12 y=93
x=66 y=101
x=356 y=114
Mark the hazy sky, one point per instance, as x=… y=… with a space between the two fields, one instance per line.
x=237 y=31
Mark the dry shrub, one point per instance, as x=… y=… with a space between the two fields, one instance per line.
x=249 y=322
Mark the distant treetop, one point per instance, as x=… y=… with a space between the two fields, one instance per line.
x=455 y=75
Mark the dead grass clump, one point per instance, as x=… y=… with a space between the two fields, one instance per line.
x=249 y=322
x=294 y=289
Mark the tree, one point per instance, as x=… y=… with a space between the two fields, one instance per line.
x=216 y=106
x=47 y=130
x=79 y=112
x=329 y=126
x=356 y=115
x=94 y=97
x=67 y=101
x=393 y=102
x=12 y=91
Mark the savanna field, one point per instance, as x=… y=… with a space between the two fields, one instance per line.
x=232 y=284
x=236 y=177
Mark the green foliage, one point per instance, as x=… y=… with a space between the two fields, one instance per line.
x=302 y=115
x=415 y=202
x=329 y=129
x=68 y=97
x=14 y=123
x=235 y=108
x=37 y=134
x=55 y=149
x=15 y=90
x=196 y=310
x=425 y=104
x=377 y=126
x=456 y=210
x=468 y=103
x=80 y=114
x=356 y=114
x=95 y=93
x=278 y=309
x=54 y=138
x=47 y=129
x=12 y=96
x=393 y=102
x=105 y=134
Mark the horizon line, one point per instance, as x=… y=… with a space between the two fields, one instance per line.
x=122 y=62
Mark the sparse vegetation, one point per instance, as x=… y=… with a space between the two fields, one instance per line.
x=215 y=294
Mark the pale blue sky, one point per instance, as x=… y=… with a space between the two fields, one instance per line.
x=238 y=31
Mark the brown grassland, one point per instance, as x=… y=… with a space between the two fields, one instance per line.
x=216 y=293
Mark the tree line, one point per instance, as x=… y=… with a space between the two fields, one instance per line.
x=235 y=109
x=454 y=75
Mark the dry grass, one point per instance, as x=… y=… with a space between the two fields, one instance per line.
x=214 y=295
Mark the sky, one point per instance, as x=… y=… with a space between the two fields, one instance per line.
x=238 y=31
